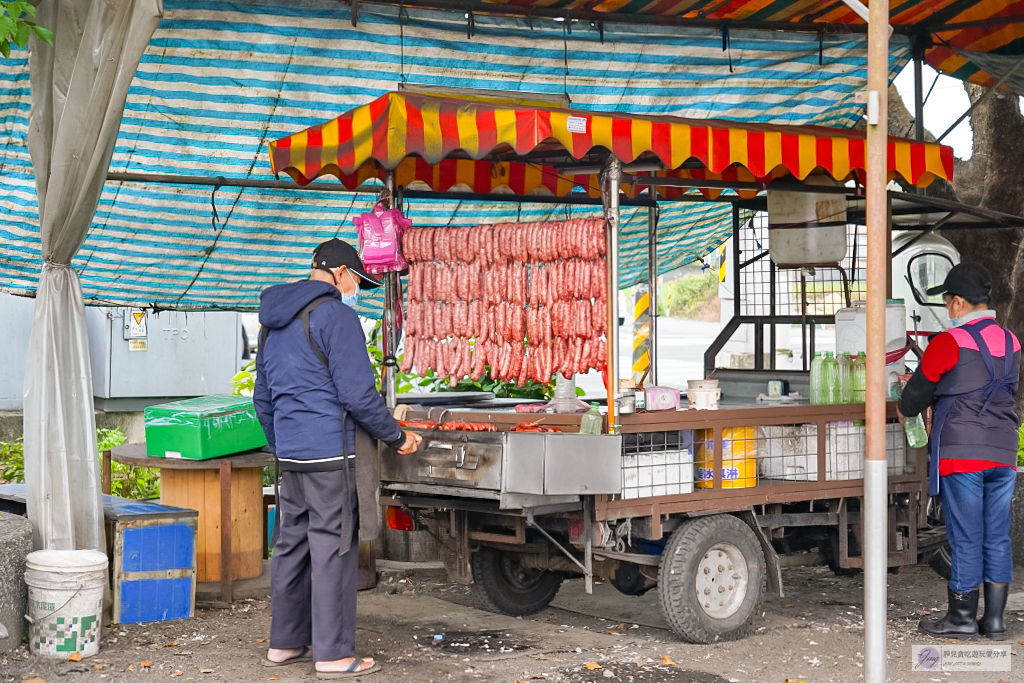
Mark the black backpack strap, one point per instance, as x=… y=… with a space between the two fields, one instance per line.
x=304 y=317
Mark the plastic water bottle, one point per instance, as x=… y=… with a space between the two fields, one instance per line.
x=830 y=392
x=591 y=421
x=565 y=400
x=845 y=378
x=816 y=377
x=860 y=377
x=917 y=435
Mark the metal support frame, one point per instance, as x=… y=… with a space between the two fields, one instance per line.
x=589 y=574
x=612 y=175
x=984 y=96
x=931 y=228
x=392 y=302
x=918 y=99
x=652 y=273
x=601 y=19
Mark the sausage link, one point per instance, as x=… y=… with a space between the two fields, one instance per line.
x=467 y=362
x=456 y=348
x=520 y=292
x=442 y=359
x=524 y=369
x=577 y=356
x=440 y=241
x=449 y=321
x=408 y=354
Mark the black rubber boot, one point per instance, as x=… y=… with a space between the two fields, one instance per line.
x=961 y=618
x=991 y=625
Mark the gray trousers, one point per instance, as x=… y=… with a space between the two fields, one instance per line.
x=313 y=588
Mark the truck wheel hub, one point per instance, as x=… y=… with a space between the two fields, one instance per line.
x=721 y=580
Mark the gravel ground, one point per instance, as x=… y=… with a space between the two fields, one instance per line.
x=813 y=634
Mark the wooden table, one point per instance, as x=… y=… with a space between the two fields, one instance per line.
x=185 y=483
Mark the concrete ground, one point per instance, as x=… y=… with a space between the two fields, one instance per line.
x=813 y=634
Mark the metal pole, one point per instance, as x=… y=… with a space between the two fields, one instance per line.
x=876 y=549
x=612 y=178
x=390 y=324
x=652 y=270
x=918 y=97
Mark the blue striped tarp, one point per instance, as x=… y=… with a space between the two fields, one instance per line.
x=221 y=79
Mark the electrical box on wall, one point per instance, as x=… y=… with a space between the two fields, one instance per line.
x=139 y=355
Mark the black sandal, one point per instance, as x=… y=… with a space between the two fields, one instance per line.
x=351 y=672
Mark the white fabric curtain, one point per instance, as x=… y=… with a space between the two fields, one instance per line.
x=78 y=93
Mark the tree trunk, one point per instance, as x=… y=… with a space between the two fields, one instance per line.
x=992 y=179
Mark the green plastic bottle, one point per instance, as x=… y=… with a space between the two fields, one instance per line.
x=830 y=390
x=845 y=378
x=816 y=377
x=860 y=377
x=591 y=421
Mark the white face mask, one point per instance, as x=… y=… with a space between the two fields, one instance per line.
x=351 y=300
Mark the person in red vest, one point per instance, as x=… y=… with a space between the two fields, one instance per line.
x=969 y=374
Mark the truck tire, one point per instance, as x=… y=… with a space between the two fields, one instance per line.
x=712 y=557
x=502 y=585
x=941 y=560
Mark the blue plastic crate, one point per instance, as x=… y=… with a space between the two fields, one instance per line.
x=154 y=560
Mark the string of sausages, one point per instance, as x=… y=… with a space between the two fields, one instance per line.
x=526 y=299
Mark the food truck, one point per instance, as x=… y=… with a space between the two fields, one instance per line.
x=706 y=506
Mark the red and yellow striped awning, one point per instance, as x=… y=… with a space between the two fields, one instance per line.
x=486 y=145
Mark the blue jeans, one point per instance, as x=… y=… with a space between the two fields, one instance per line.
x=976 y=506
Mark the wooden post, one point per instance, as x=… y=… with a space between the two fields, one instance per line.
x=225 y=531
x=105 y=473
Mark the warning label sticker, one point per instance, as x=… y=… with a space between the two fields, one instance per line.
x=576 y=124
x=137 y=325
x=138 y=345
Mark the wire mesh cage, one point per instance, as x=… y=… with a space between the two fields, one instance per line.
x=657 y=463
x=767 y=289
x=789 y=453
x=677 y=462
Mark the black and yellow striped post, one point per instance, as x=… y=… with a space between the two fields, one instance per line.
x=641 y=331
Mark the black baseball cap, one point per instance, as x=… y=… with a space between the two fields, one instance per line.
x=968 y=280
x=335 y=253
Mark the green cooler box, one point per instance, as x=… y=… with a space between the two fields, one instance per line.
x=202 y=428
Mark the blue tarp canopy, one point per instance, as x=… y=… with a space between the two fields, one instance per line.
x=219 y=80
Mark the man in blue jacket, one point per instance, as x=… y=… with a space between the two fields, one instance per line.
x=316 y=398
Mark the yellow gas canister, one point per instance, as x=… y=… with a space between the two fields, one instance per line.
x=739 y=457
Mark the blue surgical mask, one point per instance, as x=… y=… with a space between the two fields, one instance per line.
x=955 y=322
x=351 y=300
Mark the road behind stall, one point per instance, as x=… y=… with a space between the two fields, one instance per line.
x=424 y=630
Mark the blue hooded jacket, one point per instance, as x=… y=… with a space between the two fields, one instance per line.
x=298 y=402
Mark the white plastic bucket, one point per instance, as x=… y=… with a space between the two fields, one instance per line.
x=65 y=601
x=703 y=394
x=706 y=399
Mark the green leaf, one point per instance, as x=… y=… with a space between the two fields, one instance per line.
x=5 y=48
x=27 y=8
x=22 y=34
x=43 y=34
